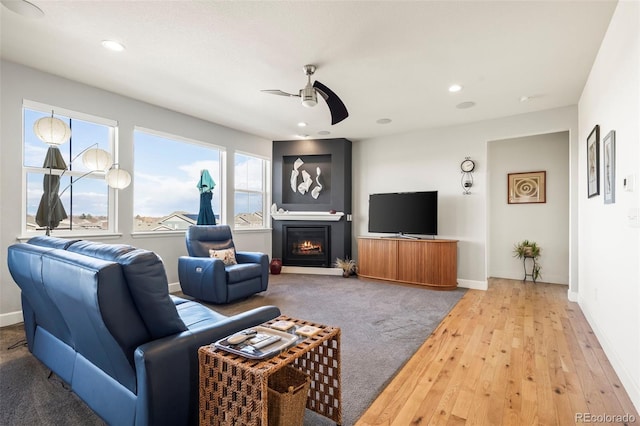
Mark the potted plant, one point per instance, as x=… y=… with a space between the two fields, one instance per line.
x=526 y=248
x=529 y=249
x=347 y=265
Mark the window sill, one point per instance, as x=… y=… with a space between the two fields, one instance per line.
x=101 y=236
x=159 y=234
x=251 y=230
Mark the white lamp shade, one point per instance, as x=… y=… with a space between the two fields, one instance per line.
x=118 y=178
x=51 y=130
x=97 y=159
x=309 y=97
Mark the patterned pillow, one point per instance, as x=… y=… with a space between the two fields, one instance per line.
x=228 y=256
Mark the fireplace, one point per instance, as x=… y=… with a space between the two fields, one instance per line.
x=306 y=245
x=328 y=162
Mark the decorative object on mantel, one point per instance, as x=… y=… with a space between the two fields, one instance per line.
x=466 y=167
x=347 y=265
x=526 y=188
x=528 y=250
x=304 y=215
x=609 y=167
x=275 y=267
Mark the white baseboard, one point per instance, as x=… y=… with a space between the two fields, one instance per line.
x=630 y=384
x=174 y=287
x=572 y=296
x=474 y=285
x=11 y=318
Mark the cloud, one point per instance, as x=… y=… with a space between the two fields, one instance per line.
x=159 y=194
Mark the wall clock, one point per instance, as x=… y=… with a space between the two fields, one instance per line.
x=467 y=165
x=466 y=180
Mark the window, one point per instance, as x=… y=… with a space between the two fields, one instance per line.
x=166 y=174
x=87 y=201
x=250 y=197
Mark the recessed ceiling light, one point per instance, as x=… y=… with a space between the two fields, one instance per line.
x=302 y=124
x=455 y=88
x=113 y=45
x=23 y=8
x=383 y=121
x=465 y=105
x=324 y=132
x=303 y=136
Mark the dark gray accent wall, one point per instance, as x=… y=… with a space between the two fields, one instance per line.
x=333 y=157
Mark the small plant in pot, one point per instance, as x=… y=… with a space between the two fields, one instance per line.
x=529 y=249
x=347 y=265
x=526 y=248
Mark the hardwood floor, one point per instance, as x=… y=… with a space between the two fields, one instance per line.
x=517 y=354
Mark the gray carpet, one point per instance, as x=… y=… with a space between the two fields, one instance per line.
x=382 y=325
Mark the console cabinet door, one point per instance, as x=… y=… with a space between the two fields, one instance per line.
x=377 y=258
x=427 y=262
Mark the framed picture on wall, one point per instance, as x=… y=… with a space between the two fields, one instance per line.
x=609 y=167
x=593 y=162
x=529 y=187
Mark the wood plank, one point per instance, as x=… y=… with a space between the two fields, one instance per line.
x=518 y=353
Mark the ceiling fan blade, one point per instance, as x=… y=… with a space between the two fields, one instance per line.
x=336 y=107
x=279 y=92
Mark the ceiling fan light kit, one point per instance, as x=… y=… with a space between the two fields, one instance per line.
x=309 y=96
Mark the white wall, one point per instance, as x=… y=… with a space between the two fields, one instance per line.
x=430 y=160
x=18 y=83
x=609 y=293
x=545 y=223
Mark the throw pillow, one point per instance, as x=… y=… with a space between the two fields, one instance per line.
x=228 y=256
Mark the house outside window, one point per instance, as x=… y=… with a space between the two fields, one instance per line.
x=87 y=200
x=251 y=194
x=167 y=170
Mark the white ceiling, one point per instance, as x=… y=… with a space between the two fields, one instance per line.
x=384 y=59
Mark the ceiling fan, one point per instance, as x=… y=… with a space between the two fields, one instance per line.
x=309 y=96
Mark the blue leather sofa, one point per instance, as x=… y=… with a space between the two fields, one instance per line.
x=210 y=279
x=101 y=318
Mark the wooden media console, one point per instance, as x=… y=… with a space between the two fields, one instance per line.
x=431 y=263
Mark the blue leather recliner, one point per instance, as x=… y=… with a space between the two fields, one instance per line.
x=210 y=279
x=100 y=316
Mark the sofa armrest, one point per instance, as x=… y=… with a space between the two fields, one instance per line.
x=167 y=369
x=198 y=276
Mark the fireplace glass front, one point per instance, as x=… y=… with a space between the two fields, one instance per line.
x=306 y=246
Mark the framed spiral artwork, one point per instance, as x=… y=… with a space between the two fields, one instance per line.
x=529 y=187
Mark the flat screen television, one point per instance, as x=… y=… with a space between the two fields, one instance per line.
x=404 y=213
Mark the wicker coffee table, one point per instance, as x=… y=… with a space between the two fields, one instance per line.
x=233 y=389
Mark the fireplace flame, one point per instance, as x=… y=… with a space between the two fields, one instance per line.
x=309 y=247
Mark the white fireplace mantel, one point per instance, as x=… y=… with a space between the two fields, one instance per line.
x=315 y=216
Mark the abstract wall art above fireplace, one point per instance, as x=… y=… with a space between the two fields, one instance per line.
x=309 y=177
